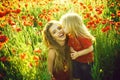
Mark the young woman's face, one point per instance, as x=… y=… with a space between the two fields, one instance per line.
x=57 y=32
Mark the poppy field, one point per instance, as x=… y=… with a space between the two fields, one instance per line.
x=23 y=56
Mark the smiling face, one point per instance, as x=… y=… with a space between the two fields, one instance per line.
x=57 y=32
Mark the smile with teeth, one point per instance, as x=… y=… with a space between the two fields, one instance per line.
x=61 y=34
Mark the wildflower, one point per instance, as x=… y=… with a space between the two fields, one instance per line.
x=81 y=3
x=84 y=7
x=97 y=21
x=113 y=15
x=11 y=22
x=3 y=59
x=40 y=23
x=98 y=10
x=36 y=63
x=107 y=28
x=17 y=11
x=2 y=13
x=32 y=17
x=28 y=23
x=88 y=26
x=1 y=45
x=111 y=22
x=35 y=58
x=23 y=56
x=88 y=15
x=30 y=65
x=18 y=29
x=118 y=13
x=117 y=24
x=90 y=8
x=104 y=21
x=112 y=5
x=37 y=50
x=26 y=5
x=24 y=17
x=3 y=39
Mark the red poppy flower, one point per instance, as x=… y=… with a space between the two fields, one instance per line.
x=90 y=8
x=30 y=65
x=117 y=24
x=111 y=22
x=88 y=15
x=113 y=15
x=104 y=21
x=35 y=58
x=26 y=5
x=97 y=21
x=1 y=45
x=23 y=56
x=37 y=50
x=107 y=28
x=11 y=22
x=40 y=23
x=24 y=17
x=2 y=13
x=17 y=11
x=81 y=3
x=3 y=59
x=18 y=29
x=118 y=13
x=3 y=39
x=112 y=5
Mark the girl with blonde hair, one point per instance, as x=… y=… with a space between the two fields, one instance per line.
x=81 y=43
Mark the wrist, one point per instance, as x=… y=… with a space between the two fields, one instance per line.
x=77 y=54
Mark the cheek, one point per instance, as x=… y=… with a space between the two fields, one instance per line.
x=54 y=36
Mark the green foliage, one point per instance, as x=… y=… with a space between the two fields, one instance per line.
x=24 y=56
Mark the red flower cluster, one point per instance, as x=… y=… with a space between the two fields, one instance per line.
x=3 y=40
x=107 y=28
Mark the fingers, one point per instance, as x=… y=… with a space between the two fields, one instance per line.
x=73 y=56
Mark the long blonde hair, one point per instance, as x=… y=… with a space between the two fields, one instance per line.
x=75 y=26
x=62 y=52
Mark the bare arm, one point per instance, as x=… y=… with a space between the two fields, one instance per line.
x=51 y=57
x=76 y=54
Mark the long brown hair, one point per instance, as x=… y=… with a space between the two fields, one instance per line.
x=62 y=52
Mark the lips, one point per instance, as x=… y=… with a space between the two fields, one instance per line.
x=61 y=34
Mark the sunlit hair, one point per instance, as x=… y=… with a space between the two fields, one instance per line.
x=73 y=23
x=60 y=50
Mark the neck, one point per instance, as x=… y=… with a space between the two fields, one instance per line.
x=61 y=43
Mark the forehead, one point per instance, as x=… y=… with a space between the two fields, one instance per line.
x=54 y=26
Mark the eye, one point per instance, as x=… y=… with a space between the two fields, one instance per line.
x=59 y=27
x=54 y=31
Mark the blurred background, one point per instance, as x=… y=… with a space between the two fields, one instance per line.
x=23 y=56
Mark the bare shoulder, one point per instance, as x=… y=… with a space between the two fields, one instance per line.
x=51 y=52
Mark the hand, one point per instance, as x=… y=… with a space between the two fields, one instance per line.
x=74 y=55
x=53 y=78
